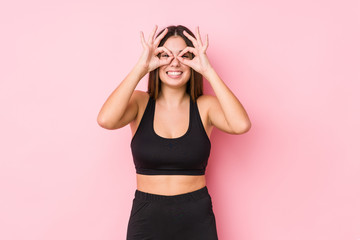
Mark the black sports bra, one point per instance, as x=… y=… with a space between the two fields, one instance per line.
x=156 y=155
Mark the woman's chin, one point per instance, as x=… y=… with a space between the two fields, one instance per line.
x=174 y=82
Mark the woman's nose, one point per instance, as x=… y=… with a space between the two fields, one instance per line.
x=175 y=61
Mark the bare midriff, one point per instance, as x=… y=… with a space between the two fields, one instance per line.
x=169 y=184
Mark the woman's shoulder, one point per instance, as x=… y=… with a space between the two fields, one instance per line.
x=206 y=101
x=141 y=96
x=207 y=97
x=140 y=92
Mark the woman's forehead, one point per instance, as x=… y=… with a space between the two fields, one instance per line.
x=175 y=44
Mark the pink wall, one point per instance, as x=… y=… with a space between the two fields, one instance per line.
x=293 y=65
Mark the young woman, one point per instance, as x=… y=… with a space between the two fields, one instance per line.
x=171 y=125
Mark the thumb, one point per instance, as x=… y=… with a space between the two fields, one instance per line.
x=184 y=61
x=167 y=61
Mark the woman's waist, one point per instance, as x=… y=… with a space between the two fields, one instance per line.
x=170 y=184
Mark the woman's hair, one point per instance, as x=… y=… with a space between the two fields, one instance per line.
x=194 y=87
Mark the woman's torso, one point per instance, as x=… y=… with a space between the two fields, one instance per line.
x=164 y=125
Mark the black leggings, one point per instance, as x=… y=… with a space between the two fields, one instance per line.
x=187 y=216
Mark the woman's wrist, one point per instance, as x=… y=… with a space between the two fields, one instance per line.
x=208 y=72
x=141 y=69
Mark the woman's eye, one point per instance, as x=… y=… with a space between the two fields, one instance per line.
x=164 y=55
x=185 y=56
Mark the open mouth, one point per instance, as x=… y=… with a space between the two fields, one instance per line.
x=174 y=73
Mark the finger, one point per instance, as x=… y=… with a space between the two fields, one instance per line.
x=151 y=37
x=198 y=36
x=207 y=42
x=161 y=36
x=142 y=39
x=162 y=49
x=166 y=62
x=184 y=61
x=192 y=39
x=187 y=49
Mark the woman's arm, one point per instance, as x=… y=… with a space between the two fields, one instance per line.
x=225 y=111
x=121 y=107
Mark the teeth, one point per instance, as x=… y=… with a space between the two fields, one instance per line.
x=174 y=73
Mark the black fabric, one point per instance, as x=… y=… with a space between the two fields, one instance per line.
x=187 y=216
x=156 y=155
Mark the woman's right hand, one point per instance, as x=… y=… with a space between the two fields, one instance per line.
x=149 y=59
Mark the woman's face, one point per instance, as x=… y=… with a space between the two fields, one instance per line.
x=169 y=74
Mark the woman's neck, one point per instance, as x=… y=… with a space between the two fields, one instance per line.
x=173 y=97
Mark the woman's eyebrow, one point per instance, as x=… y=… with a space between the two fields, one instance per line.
x=178 y=51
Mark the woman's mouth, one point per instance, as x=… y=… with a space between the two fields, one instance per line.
x=174 y=74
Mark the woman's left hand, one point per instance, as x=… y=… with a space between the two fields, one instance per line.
x=200 y=62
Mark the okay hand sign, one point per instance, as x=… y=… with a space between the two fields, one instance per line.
x=149 y=59
x=200 y=62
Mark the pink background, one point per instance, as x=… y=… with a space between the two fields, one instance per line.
x=294 y=65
